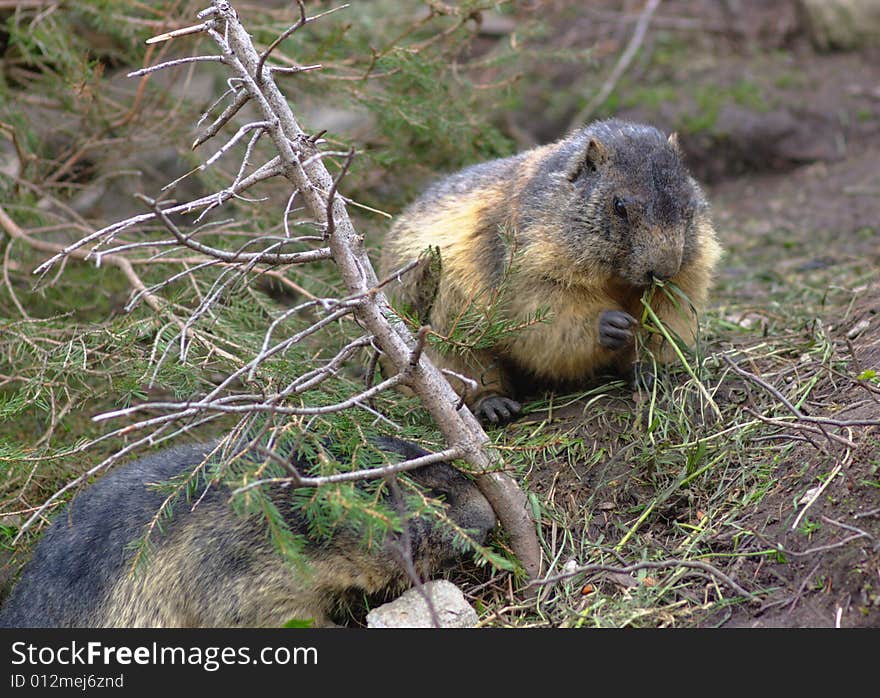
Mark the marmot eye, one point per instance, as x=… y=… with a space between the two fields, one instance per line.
x=619 y=207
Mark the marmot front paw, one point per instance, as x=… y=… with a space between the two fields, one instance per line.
x=615 y=329
x=497 y=409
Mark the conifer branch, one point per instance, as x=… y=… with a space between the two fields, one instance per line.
x=300 y=161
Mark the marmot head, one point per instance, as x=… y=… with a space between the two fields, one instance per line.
x=430 y=542
x=626 y=204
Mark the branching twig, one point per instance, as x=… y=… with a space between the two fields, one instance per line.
x=784 y=400
x=298 y=480
x=805 y=428
x=299 y=160
x=263 y=256
x=659 y=564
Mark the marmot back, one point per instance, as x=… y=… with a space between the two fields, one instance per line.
x=579 y=228
x=211 y=568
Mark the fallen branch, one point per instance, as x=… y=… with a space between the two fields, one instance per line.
x=658 y=564
x=817 y=421
x=460 y=428
x=301 y=162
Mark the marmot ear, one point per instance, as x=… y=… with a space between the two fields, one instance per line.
x=673 y=141
x=590 y=160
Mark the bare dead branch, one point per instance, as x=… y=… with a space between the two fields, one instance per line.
x=298 y=480
x=804 y=428
x=253 y=404
x=267 y=171
x=301 y=161
x=176 y=61
x=779 y=396
x=240 y=100
x=848 y=527
x=263 y=56
x=264 y=256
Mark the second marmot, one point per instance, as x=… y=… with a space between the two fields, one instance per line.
x=209 y=567
x=579 y=228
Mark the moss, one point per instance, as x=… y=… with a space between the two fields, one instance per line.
x=791 y=81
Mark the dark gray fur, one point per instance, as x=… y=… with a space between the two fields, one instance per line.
x=84 y=552
x=642 y=168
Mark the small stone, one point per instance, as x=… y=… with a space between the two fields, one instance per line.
x=858 y=328
x=411 y=611
x=809 y=495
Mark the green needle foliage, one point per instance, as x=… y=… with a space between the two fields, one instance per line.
x=72 y=343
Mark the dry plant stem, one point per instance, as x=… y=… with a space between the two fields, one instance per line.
x=122 y=263
x=460 y=428
x=659 y=564
x=788 y=405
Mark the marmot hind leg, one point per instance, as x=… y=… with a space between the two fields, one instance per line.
x=491 y=398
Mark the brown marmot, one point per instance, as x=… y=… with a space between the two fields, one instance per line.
x=208 y=567
x=579 y=229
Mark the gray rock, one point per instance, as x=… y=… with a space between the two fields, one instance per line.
x=842 y=24
x=411 y=611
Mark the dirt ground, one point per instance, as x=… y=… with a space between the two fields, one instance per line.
x=830 y=210
x=793 y=173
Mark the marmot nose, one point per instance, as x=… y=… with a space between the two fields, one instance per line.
x=664 y=267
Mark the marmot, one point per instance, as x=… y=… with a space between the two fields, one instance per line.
x=211 y=568
x=580 y=228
